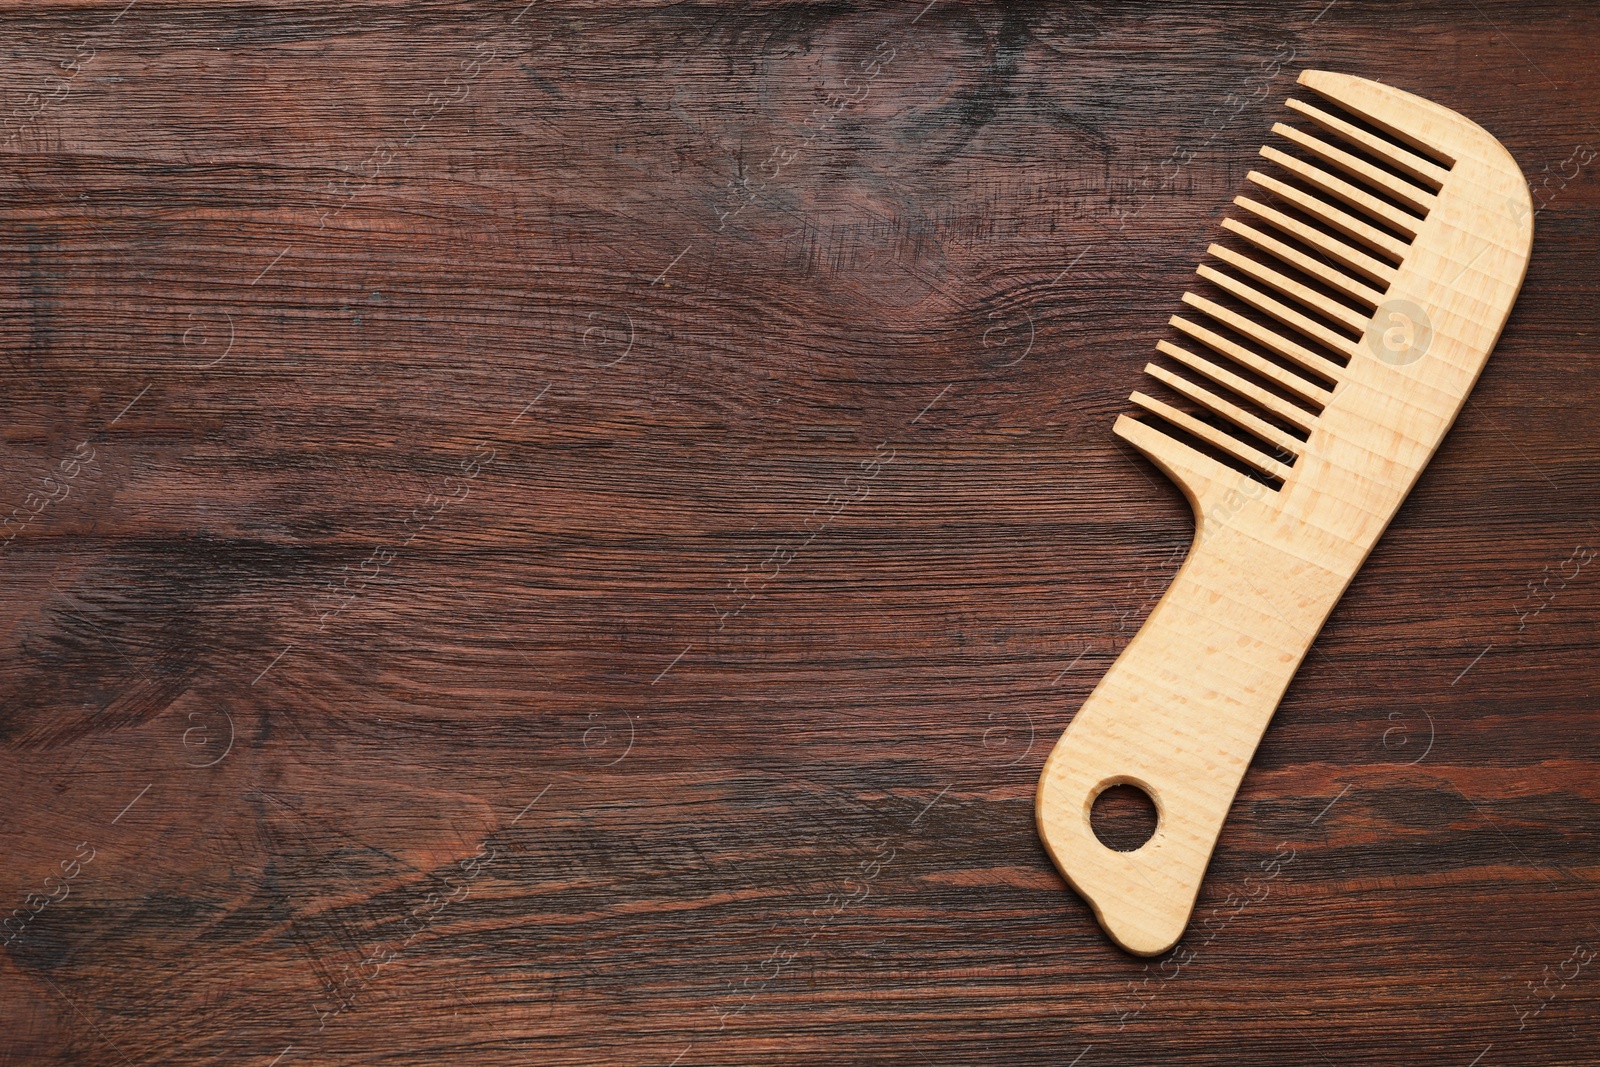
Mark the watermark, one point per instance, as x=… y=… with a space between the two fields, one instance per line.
x=339 y=994
x=1566 y=972
x=1548 y=185
x=608 y=337
x=1008 y=341
x=354 y=978
x=1541 y=592
x=1156 y=578
x=56 y=888
x=339 y=592
x=50 y=491
x=204 y=736
x=204 y=333
x=604 y=741
x=340 y=588
x=745 y=990
x=1166 y=171
x=817 y=122
x=785 y=552
x=1005 y=738
x=454 y=89
x=1404 y=736
x=52 y=89
x=1400 y=332
x=1187 y=951
x=1150 y=587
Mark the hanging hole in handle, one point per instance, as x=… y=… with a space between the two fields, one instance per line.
x=1124 y=816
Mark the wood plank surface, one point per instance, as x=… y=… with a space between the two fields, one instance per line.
x=563 y=534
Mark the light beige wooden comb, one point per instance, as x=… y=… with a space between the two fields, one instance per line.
x=1355 y=333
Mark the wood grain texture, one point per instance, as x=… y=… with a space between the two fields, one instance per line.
x=597 y=511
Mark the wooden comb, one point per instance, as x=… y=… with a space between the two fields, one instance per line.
x=1343 y=348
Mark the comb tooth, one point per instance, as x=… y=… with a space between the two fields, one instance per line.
x=1249 y=390
x=1288 y=316
x=1245 y=358
x=1305 y=264
x=1336 y=186
x=1403 y=191
x=1258 y=333
x=1226 y=408
x=1409 y=162
x=1342 y=221
x=1289 y=287
x=1331 y=246
x=1332 y=87
x=1188 y=466
x=1214 y=437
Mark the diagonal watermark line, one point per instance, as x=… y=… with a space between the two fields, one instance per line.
x=924 y=11
x=271 y=665
x=531 y=803
x=915 y=1047
x=1063 y=274
x=530 y=403
x=1508 y=439
x=132 y=402
x=1470 y=263
x=1071 y=665
x=274 y=263
x=60 y=993
x=131 y=803
x=1519 y=52
x=280 y=1056
x=1496 y=827
x=1313 y=1044
x=674 y=263
x=1331 y=803
x=673 y=664
x=1480 y=1056
x=932 y=402
x=1473 y=664
x=1523 y=54
x=931 y=803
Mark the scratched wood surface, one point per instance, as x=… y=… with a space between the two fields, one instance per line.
x=564 y=534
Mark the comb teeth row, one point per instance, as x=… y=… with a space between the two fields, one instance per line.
x=1316 y=265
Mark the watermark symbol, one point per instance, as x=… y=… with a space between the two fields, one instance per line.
x=204 y=736
x=1400 y=332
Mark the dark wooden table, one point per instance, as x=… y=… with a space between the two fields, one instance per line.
x=564 y=534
